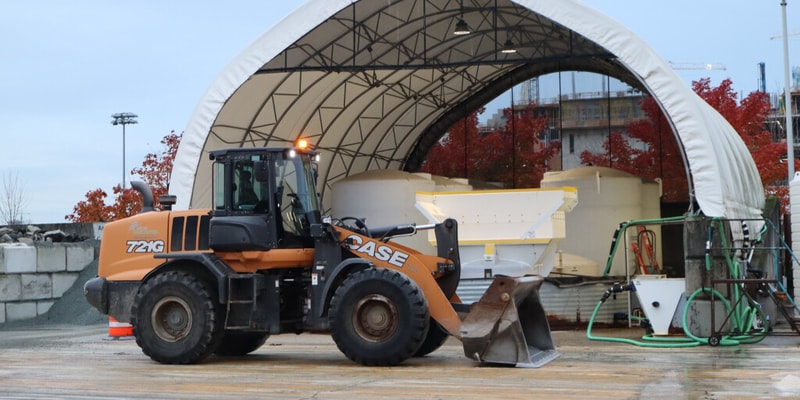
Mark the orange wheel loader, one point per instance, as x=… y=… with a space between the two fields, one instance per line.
x=264 y=261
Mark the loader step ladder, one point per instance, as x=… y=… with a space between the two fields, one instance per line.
x=242 y=296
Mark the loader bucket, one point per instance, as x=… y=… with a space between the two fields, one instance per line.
x=508 y=325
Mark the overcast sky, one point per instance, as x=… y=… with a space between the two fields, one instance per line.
x=66 y=66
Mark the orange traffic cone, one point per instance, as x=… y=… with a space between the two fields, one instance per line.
x=118 y=329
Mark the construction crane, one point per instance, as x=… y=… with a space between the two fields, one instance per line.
x=529 y=92
x=698 y=66
x=779 y=36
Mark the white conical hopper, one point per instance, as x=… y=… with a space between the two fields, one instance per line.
x=508 y=232
x=659 y=297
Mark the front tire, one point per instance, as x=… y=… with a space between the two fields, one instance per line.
x=433 y=340
x=378 y=317
x=175 y=320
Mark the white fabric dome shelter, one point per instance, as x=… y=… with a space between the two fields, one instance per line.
x=373 y=84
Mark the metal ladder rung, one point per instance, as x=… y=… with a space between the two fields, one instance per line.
x=251 y=299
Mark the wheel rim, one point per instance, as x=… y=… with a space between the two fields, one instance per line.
x=375 y=318
x=171 y=319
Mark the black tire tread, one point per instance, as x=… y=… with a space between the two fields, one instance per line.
x=433 y=340
x=416 y=325
x=211 y=333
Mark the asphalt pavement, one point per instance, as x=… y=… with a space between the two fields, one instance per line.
x=82 y=362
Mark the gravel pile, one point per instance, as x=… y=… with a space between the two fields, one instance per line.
x=70 y=309
x=29 y=234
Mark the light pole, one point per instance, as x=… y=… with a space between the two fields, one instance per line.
x=787 y=97
x=123 y=119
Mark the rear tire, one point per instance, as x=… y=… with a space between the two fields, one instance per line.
x=240 y=343
x=175 y=320
x=378 y=317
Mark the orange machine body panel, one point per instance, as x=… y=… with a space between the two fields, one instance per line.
x=130 y=245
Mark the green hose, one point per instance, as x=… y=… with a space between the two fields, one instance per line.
x=725 y=340
x=742 y=315
x=621 y=231
x=630 y=341
x=690 y=340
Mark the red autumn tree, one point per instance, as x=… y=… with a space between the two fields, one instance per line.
x=530 y=154
x=156 y=169
x=93 y=209
x=155 y=172
x=748 y=119
x=661 y=157
x=454 y=154
x=513 y=157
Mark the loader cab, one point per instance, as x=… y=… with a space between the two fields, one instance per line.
x=263 y=198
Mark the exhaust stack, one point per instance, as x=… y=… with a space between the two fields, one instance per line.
x=147 y=195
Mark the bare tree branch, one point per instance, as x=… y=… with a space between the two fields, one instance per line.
x=12 y=199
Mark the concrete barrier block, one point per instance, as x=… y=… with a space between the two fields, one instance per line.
x=43 y=306
x=79 y=256
x=37 y=286
x=20 y=311
x=62 y=282
x=2 y=312
x=97 y=228
x=10 y=287
x=51 y=258
x=17 y=258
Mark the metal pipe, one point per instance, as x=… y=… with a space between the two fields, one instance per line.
x=787 y=97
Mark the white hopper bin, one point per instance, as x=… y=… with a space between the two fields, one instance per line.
x=659 y=297
x=502 y=232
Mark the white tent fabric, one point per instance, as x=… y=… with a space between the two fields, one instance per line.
x=726 y=180
x=371 y=82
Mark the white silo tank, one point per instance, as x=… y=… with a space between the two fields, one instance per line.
x=651 y=199
x=444 y=184
x=382 y=198
x=607 y=197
